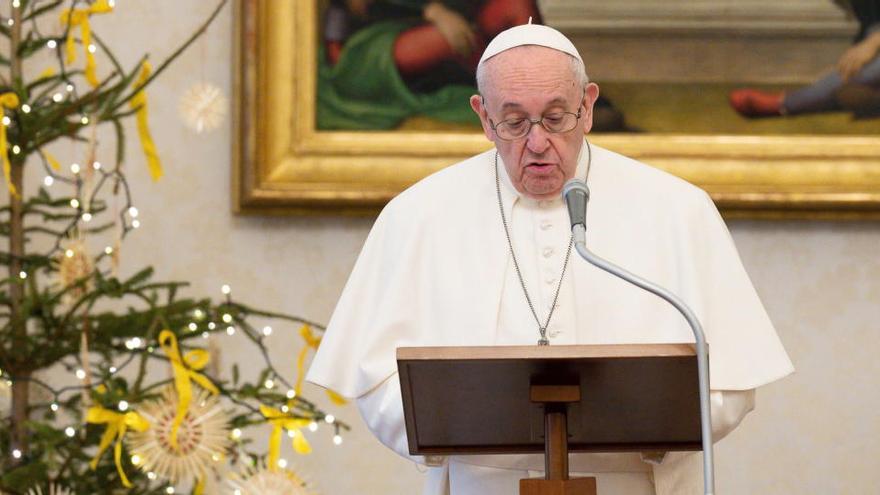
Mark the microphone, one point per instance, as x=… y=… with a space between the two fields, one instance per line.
x=576 y=195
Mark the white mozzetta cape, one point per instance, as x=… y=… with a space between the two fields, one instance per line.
x=432 y=270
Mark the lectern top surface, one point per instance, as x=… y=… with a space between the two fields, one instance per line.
x=546 y=351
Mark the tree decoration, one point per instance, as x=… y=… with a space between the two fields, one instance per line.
x=203 y=107
x=75 y=267
x=120 y=427
x=201 y=442
x=52 y=490
x=265 y=481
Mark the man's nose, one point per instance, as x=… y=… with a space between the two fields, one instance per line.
x=537 y=140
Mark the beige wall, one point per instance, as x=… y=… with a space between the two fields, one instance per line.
x=813 y=433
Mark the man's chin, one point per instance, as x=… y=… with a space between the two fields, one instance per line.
x=543 y=191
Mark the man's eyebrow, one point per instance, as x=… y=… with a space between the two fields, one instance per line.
x=514 y=105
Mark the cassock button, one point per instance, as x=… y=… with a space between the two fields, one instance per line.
x=548 y=252
x=546 y=224
x=550 y=280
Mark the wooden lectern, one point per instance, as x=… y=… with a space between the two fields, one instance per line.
x=550 y=399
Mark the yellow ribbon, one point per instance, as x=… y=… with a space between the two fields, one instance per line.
x=117 y=425
x=139 y=102
x=51 y=160
x=7 y=100
x=281 y=422
x=185 y=369
x=80 y=18
x=312 y=342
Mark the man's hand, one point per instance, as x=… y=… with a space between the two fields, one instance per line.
x=358 y=7
x=453 y=26
x=852 y=60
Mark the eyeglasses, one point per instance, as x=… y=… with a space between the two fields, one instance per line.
x=554 y=123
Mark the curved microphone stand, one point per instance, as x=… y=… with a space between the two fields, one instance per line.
x=579 y=194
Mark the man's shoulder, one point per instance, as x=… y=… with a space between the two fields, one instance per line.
x=453 y=187
x=635 y=180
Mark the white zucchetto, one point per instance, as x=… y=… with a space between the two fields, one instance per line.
x=530 y=34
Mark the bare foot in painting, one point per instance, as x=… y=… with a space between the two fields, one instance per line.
x=756 y=103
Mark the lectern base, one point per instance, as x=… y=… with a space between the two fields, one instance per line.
x=574 y=486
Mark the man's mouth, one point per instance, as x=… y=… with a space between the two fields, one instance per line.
x=540 y=166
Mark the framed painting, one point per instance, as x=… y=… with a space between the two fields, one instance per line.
x=310 y=138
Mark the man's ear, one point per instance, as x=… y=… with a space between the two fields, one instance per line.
x=591 y=94
x=477 y=104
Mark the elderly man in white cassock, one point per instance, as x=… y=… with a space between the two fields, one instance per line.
x=480 y=254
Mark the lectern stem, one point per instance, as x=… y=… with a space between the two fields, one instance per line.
x=555 y=442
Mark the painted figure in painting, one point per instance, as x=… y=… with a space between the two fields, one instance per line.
x=854 y=86
x=386 y=60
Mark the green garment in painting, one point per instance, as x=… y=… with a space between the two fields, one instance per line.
x=364 y=90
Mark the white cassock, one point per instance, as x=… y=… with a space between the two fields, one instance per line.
x=436 y=270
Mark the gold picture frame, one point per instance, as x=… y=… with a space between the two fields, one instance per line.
x=283 y=165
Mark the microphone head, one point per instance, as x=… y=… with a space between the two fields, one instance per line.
x=576 y=195
x=575 y=184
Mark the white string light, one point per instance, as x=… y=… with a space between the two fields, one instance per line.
x=192 y=327
x=10 y=22
x=112 y=369
x=26 y=108
x=267 y=331
x=87 y=217
x=205 y=335
x=226 y=289
x=92 y=48
x=70 y=432
x=51 y=44
x=230 y=331
x=235 y=434
x=69 y=88
x=227 y=317
x=282 y=463
x=69 y=253
x=16 y=149
x=211 y=325
x=269 y=383
x=16 y=4
x=108 y=250
x=16 y=453
x=48 y=181
x=81 y=374
x=84 y=120
x=169 y=490
x=96 y=165
x=6 y=120
x=123 y=405
x=74 y=167
x=291 y=394
x=330 y=419
x=74 y=203
x=135 y=224
x=22 y=274
x=57 y=97
x=313 y=426
x=337 y=439
x=54 y=407
x=133 y=212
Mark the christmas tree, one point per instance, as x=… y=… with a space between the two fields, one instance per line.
x=142 y=411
